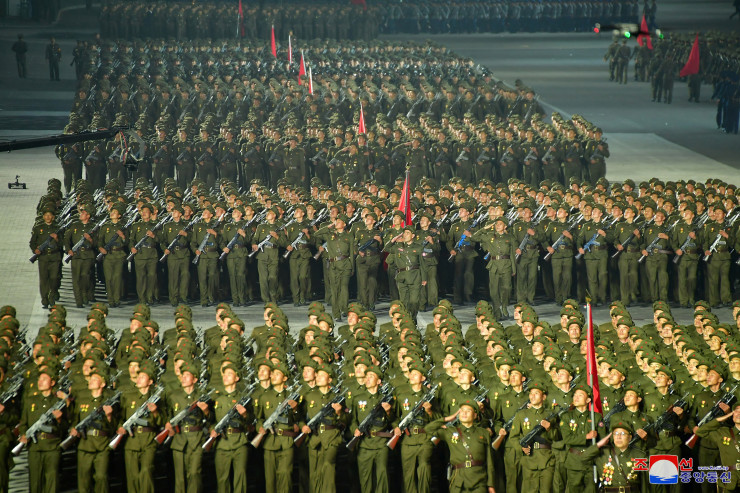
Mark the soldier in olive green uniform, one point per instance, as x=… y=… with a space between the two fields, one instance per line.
x=300 y=256
x=93 y=453
x=615 y=463
x=145 y=258
x=526 y=272
x=372 y=453
x=178 y=257
x=562 y=258
x=206 y=230
x=597 y=233
x=50 y=258
x=718 y=234
x=463 y=253
x=726 y=440
x=368 y=240
x=430 y=240
x=416 y=446
x=114 y=235
x=84 y=259
x=267 y=258
x=140 y=447
x=9 y=417
x=396 y=229
x=236 y=261
x=278 y=445
x=689 y=254
x=410 y=277
x=501 y=266
x=596 y=151
x=44 y=454
x=323 y=443
x=187 y=441
x=295 y=163
x=656 y=260
x=471 y=462
x=339 y=247
x=628 y=275
x=232 y=448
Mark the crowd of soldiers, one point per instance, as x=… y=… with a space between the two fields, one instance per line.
x=359 y=21
x=399 y=407
x=719 y=66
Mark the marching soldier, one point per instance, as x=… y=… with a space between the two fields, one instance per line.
x=113 y=242
x=237 y=255
x=267 y=258
x=339 y=247
x=410 y=277
x=298 y=238
x=595 y=235
x=47 y=242
x=460 y=246
x=174 y=243
x=204 y=244
x=367 y=263
x=83 y=260
x=145 y=257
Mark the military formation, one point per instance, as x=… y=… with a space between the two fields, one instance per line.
x=719 y=66
x=357 y=20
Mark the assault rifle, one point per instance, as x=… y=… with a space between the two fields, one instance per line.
x=89 y=420
x=364 y=427
x=496 y=444
x=146 y=237
x=173 y=243
x=713 y=413
x=414 y=413
x=325 y=411
x=137 y=419
x=269 y=423
x=81 y=242
x=663 y=420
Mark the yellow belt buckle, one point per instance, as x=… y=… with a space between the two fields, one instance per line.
x=139 y=429
x=622 y=489
x=373 y=433
x=322 y=428
x=279 y=432
x=468 y=464
x=415 y=430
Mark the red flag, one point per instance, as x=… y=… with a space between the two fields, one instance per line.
x=361 y=125
x=272 y=42
x=301 y=69
x=404 y=205
x=644 y=29
x=240 y=28
x=290 y=51
x=591 y=365
x=310 y=81
x=692 y=64
x=361 y=3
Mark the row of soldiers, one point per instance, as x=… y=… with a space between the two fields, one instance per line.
x=446 y=121
x=658 y=241
x=497 y=407
x=220 y=20
x=357 y=20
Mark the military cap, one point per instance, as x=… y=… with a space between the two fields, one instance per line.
x=624 y=426
x=376 y=370
x=536 y=385
x=149 y=368
x=585 y=388
x=666 y=371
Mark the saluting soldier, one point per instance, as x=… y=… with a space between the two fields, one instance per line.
x=501 y=265
x=410 y=277
x=463 y=252
x=50 y=258
x=616 y=462
x=726 y=440
x=339 y=247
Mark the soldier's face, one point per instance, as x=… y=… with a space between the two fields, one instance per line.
x=536 y=397
x=48 y=217
x=503 y=373
x=277 y=377
x=701 y=373
x=516 y=379
x=408 y=236
x=309 y=374
x=467 y=415
x=143 y=380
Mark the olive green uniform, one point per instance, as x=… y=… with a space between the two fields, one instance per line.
x=140 y=448
x=596 y=259
x=727 y=442
x=526 y=272
x=49 y=262
x=718 y=265
x=561 y=259
x=372 y=453
x=44 y=454
x=574 y=426
x=464 y=261
x=409 y=274
x=277 y=446
x=299 y=261
x=145 y=260
x=93 y=453
x=208 y=261
x=339 y=250
x=689 y=262
x=615 y=469
x=628 y=273
x=232 y=448
x=236 y=261
x=267 y=259
x=186 y=445
x=82 y=261
x=501 y=266
x=178 y=261
x=367 y=265
x=656 y=263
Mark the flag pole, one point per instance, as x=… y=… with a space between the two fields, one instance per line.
x=590 y=376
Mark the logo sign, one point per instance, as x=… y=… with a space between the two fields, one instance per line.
x=663 y=469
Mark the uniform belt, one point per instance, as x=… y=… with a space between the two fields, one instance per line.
x=532 y=247
x=575 y=451
x=384 y=434
x=237 y=246
x=415 y=431
x=544 y=446
x=632 y=249
x=500 y=257
x=285 y=433
x=300 y=246
x=84 y=249
x=49 y=251
x=210 y=249
x=466 y=248
x=323 y=428
x=691 y=251
x=658 y=250
x=337 y=259
x=404 y=269
x=233 y=431
x=600 y=247
x=618 y=489
x=268 y=246
x=116 y=249
x=144 y=429
x=372 y=253
x=722 y=250
x=176 y=248
x=97 y=433
x=190 y=429
x=47 y=436
x=469 y=463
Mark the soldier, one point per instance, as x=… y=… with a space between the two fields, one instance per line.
x=687 y=245
x=182 y=151
x=562 y=258
x=462 y=250
x=236 y=261
x=597 y=151
x=430 y=259
x=44 y=453
x=410 y=277
x=594 y=235
x=656 y=264
x=623 y=58
x=267 y=258
x=145 y=257
x=725 y=439
x=501 y=266
x=93 y=453
x=339 y=248
x=53 y=55
x=204 y=244
x=83 y=259
x=367 y=263
x=174 y=244
x=621 y=456
x=573 y=152
x=113 y=240
x=717 y=238
x=527 y=236
x=47 y=242
x=628 y=275
x=20 y=48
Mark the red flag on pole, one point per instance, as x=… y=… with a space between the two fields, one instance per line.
x=301 y=69
x=272 y=42
x=361 y=125
x=591 y=365
x=240 y=23
x=692 y=64
x=290 y=51
x=310 y=81
x=404 y=205
x=641 y=37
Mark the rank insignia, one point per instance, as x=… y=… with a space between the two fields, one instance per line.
x=508 y=404
x=453 y=402
x=573 y=425
x=267 y=405
x=177 y=406
x=455 y=437
x=725 y=440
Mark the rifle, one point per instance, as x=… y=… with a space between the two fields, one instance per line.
x=631 y=237
x=699 y=223
x=272 y=419
x=374 y=413
x=41 y=425
x=457 y=247
x=298 y=241
x=412 y=415
x=14 y=387
x=228 y=417
x=231 y=244
x=618 y=408
x=163 y=435
x=713 y=413
x=263 y=243
x=173 y=243
x=207 y=237
x=78 y=245
x=48 y=241
x=137 y=419
x=530 y=437
x=587 y=246
x=659 y=424
x=91 y=418
x=727 y=225
x=655 y=241
x=113 y=240
x=141 y=242
x=496 y=444
x=325 y=411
